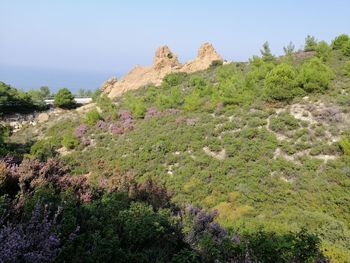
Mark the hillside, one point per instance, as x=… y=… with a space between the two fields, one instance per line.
x=263 y=145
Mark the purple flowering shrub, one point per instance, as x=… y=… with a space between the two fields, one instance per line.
x=32 y=241
x=102 y=125
x=126 y=123
x=80 y=131
x=203 y=221
x=154 y=112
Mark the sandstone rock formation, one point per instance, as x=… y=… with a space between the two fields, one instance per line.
x=164 y=62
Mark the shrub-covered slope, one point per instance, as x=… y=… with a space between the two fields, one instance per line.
x=266 y=143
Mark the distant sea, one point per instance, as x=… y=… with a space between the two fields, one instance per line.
x=29 y=78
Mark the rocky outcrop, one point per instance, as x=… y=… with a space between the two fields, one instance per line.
x=206 y=55
x=164 y=62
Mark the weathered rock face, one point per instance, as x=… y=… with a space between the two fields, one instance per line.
x=164 y=62
x=206 y=55
x=107 y=85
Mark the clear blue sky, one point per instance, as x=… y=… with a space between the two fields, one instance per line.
x=99 y=38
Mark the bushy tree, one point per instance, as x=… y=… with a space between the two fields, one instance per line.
x=44 y=92
x=339 y=42
x=315 y=76
x=266 y=52
x=323 y=50
x=281 y=82
x=258 y=70
x=136 y=105
x=310 y=43
x=289 y=49
x=64 y=99
x=92 y=117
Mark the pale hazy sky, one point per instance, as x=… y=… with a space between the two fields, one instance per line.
x=100 y=38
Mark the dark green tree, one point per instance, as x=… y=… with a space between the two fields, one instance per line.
x=280 y=83
x=340 y=41
x=64 y=99
x=310 y=43
x=266 y=52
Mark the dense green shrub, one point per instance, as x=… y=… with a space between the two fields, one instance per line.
x=92 y=117
x=340 y=41
x=284 y=122
x=258 y=70
x=136 y=105
x=173 y=79
x=70 y=141
x=281 y=82
x=108 y=108
x=347 y=68
x=43 y=149
x=310 y=43
x=323 y=50
x=216 y=63
x=64 y=99
x=315 y=76
x=344 y=144
x=346 y=49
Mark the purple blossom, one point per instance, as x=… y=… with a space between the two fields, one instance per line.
x=85 y=141
x=33 y=241
x=125 y=115
x=117 y=129
x=152 y=112
x=171 y=111
x=80 y=130
x=102 y=125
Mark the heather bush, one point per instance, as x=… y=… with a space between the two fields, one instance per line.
x=102 y=125
x=80 y=131
x=32 y=241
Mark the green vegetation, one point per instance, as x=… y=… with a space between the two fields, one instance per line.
x=310 y=43
x=92 y=117
x=315 y=76
x=263 y=147
x=280 y=83
x=13 y=100
x=64 y=99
